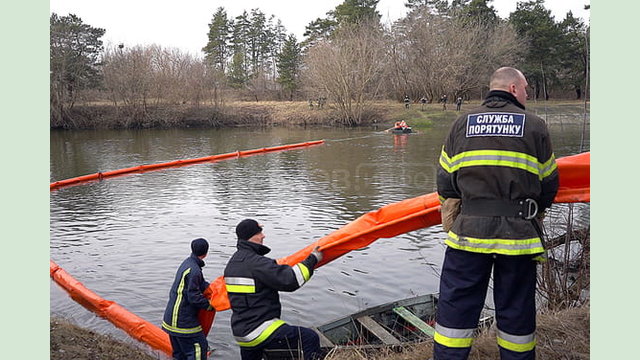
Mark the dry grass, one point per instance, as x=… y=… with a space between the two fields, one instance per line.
x=68 y=341
x=561 y=335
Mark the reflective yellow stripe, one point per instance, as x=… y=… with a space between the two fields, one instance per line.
x=452 y=342
x=516 y=347
x=198 y=351
x=548 y=167
x=181 y=330
x=245 y=289
x=305 y=271
x=512 y=159
x=176 y=306
x=264 y=334
x=445 y=161
x=495 y=246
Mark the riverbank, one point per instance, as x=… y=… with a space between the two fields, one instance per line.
x=561 y=334
x=69 y=341
x=381 y=113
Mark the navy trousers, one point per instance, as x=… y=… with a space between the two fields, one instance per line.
x=287 y=337
x=189 y=348
x=463 y=288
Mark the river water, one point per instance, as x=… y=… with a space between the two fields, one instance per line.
x=125 y=237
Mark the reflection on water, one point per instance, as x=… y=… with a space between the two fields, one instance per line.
x=124 y=237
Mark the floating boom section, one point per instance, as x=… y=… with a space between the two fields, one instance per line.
x=409 y=215
x=176 y=163
x=134 y=325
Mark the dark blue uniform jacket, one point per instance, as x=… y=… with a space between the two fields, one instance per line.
x=186 y=299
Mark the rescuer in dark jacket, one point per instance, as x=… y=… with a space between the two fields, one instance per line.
x=186 y=298
x=253 y=281
x=498 y=163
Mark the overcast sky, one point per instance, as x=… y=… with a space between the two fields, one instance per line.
x=185 y=24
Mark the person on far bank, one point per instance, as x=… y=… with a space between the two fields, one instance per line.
x=186 y=298
x=458 y=103
x=253 y=281
x=497 y=175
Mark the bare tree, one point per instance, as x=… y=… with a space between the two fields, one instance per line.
x=435 y=55
x=170 y=68
x=349 y=68
x=128 y=77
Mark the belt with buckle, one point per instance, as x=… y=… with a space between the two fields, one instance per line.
x=525 y=208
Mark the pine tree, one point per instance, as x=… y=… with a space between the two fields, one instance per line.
x=356 y=11
x=535 y=23
x=574 y=53
x=289 y=62
x=237 y=71
x=75 y=49
x=217 y=48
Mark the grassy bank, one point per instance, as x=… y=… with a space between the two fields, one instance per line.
x=561 y=335
x=69 y=341
x=271 y=113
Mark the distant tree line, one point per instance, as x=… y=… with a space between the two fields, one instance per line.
x=348 y=57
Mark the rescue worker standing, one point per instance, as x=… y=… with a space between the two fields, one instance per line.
x=186 y=298
x=252 y=282
x=498 y=164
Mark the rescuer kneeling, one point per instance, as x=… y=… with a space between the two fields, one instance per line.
x=253 y=281
x=497 y=168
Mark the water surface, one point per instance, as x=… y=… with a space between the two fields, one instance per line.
x=125 y=237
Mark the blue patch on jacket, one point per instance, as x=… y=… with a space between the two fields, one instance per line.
x=495 y=124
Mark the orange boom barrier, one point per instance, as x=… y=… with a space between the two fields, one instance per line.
x=389 y=221
x=134 y=325
x=176 y=163
x=409 y=215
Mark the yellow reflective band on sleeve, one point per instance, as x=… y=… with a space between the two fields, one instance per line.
x=244 y=285
x=548 y=167
x=243 y=289
x=260 y=334
x=445 y=161
x=176 y=306
x=305 y=271
x=495 y=246
x=452 y=342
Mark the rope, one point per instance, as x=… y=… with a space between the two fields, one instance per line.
x=354 y=138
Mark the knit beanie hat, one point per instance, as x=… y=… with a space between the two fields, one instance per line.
x=247 y=228
x=199 y=246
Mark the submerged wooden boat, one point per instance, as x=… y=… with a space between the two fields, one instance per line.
x=398 y=322
x=388 y=325
x=395 y=323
